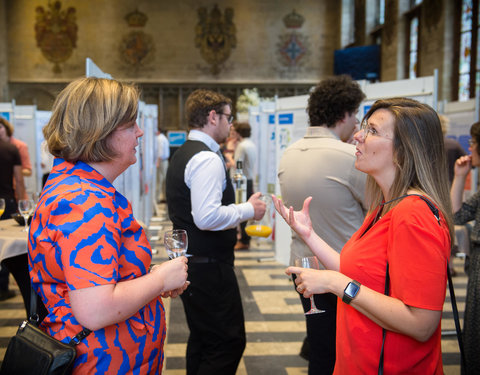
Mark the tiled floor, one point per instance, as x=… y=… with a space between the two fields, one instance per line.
x=274 y=318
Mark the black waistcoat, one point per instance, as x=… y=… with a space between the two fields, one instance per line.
x=217 y=244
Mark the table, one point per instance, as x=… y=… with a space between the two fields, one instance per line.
x=13 y=240
x=13 y=255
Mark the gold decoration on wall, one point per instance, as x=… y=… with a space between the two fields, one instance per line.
x=56 y=33
x=136 y=47
x=215 y=36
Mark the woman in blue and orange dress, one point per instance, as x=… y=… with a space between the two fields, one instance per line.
x=89 y=258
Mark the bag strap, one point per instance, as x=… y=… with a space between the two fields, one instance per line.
x=384 y=331
x=34 y=318
x=453 y=300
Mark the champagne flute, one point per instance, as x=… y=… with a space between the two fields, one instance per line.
x=25 y=207
x=176 y=243
x=310 y=262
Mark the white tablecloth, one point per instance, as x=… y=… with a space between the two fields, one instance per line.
x=13 y=240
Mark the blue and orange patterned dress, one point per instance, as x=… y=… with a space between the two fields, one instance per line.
x=83 y=234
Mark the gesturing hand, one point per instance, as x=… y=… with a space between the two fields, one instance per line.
x=299 y=221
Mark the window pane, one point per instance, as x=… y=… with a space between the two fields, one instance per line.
x=381 y=16
x=413 y=65
x=467 y=9
x=465 y=49
x=414 y=34
x=478 y=49
x=464 y=87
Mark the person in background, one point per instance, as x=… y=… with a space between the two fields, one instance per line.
x=200 y=199
x=163 y=153
x=405 y=239
x=46 y=162
x=463 y=213
x=246 y=151
x=322 y=165
x=90 y=260
x=10 y=170
x=22 y=149
x=453 y=149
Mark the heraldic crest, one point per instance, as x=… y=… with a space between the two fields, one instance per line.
x=215 y=36
x=56 y=33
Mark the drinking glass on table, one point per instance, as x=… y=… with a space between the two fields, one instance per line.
x=176 y=243
x=2 y=207
x=25 y=207
x=310 y=262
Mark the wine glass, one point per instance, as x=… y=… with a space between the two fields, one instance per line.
x=310 y=262
x=2 y=208
x=25 y=207
x=176 y=243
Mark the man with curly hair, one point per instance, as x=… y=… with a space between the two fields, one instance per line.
x=322 y=165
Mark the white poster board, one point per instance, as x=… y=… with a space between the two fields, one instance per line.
x=26 y=132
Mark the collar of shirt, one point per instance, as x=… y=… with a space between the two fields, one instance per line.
x=320 y=132
x=198 y=135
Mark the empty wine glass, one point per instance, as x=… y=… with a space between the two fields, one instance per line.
x=310 y=262
x=25 y=207
x=176 y=243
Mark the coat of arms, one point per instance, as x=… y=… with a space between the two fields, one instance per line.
x=56 y=33
x=136 y=47
x=215 y=36
x=293 y=45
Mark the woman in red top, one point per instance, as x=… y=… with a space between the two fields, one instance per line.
x=409 y=228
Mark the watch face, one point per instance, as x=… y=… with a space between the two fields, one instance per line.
x=352 y=290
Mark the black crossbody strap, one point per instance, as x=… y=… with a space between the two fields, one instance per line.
x=384 y=331
x=453 y=300
x=75 y=340
x=435 y=212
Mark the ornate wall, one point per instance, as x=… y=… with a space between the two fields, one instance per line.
x=171 y=47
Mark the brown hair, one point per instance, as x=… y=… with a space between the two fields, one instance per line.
x=418 y=153
x=243 y=128
x=8 y=126
x=199 y=104
x=85 y=114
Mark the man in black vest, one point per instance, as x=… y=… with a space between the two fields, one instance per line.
x=200 y=199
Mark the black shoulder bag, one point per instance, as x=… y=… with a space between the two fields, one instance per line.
x=32 y=351
x=450 y=287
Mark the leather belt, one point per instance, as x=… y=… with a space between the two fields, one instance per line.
x=199 y=259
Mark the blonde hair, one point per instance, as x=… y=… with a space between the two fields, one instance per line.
x=85 y=114
x=419 y=154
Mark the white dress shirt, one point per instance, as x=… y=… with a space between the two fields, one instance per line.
x=206 y=178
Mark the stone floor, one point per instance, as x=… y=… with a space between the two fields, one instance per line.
x=274 y=318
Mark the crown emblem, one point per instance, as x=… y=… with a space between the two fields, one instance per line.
x=136 y=18
x=293 y=20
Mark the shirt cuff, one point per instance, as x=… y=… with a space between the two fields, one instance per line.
x=246 y=211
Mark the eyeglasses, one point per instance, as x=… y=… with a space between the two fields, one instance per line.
x=367 y=129
x=229 y=116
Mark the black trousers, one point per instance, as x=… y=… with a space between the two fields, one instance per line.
x=10 y=208
x=245 y=238
x=321 y=333
x=18 y=267
x=214 y=312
